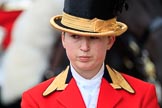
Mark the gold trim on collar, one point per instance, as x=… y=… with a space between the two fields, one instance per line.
x=58 y=83
x=118 y=81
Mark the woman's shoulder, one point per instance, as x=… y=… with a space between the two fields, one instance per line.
x=137 y=83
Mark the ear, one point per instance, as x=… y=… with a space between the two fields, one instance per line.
x=110 y=42
x=63 y=39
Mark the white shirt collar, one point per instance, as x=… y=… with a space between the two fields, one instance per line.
x=89 y=88
x=81 y=80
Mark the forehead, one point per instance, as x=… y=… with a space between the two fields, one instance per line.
x=70 y=34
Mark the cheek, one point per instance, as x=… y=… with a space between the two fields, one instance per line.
x=100 y=52
x=102 y=47
x=70 y=52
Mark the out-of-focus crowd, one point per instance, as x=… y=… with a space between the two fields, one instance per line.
x=26 y=40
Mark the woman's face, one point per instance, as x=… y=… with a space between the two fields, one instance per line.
x=86 y=53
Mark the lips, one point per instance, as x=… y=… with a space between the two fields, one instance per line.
x=84 y=58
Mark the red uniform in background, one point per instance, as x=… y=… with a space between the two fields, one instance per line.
x=7 y=19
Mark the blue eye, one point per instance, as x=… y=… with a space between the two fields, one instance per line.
x=75 y=36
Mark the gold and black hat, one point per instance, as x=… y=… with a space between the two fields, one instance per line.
x=90 y=18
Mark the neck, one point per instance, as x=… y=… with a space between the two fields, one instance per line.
x=86 y=73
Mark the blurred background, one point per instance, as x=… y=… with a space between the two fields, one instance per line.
x=31 y=50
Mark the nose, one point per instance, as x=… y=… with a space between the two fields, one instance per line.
x=84 y=46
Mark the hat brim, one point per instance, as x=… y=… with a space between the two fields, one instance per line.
x=56 y=23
